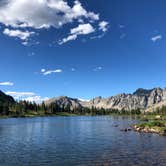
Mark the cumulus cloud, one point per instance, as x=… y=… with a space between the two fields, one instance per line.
x=156 y=38
x=82 y=29
x=43 y=14
x=18 y=95
x=6 y=83
x=23 y=35
x=48 y=72
x=103 y=25
x=28 y=96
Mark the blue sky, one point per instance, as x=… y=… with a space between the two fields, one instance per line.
x=101 y=49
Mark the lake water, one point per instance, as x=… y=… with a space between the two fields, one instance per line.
x=79 y=140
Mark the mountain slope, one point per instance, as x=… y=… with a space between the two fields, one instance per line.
x=156 y=107
x=65 y=102
x=140 y=99
x=5 y=98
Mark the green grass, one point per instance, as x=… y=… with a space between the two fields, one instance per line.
x=65 y=114
x=155 y=126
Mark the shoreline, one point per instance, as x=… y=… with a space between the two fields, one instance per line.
x=66 y=114
x=156 y=125
x=154 y=130
x=37 y=115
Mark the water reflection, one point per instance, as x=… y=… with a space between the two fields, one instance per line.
x=83 y=140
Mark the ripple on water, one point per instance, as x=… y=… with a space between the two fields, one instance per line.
x=79 y=141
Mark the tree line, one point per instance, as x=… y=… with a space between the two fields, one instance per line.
x=23 y=108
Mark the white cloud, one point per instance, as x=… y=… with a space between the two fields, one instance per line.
x=25 y=43
x=83 y=100
x=82 y=29
x=6 y=83
x=36 y=99
x=28 y=96
x=156 y=38
x=103 y=25
x=69 y=38
x=98 y=68
x=43 y=14
x=48 y=72
x=18 y=95
x=23 y=35
x=43 y=70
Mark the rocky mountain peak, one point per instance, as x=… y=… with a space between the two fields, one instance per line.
x=142 y=92
x=140 y=99
x=65 y=102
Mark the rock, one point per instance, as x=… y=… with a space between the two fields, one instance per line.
x=149 y=130
x=126 y=129
x=157 y=117
x=164 y=133
x=65 y=102
x=141 y=99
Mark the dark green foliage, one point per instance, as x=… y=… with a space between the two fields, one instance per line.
x=162 y=110
x=24 y=108
x=8 y=107
x=5 y=103
x=5 y=98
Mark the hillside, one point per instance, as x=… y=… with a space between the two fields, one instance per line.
x=140 y=99
x=5 y=98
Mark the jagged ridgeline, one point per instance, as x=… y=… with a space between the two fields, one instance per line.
x=141 y=100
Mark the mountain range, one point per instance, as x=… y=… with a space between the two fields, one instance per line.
x=142 y=99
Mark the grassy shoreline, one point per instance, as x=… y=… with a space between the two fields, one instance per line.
x=37 y=115
x=152 y=124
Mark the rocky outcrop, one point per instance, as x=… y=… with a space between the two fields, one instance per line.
x=140 y=99
x=65 y=102
x=161 y=130
x=156 y=107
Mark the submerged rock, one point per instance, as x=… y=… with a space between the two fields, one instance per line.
x=126 y=129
